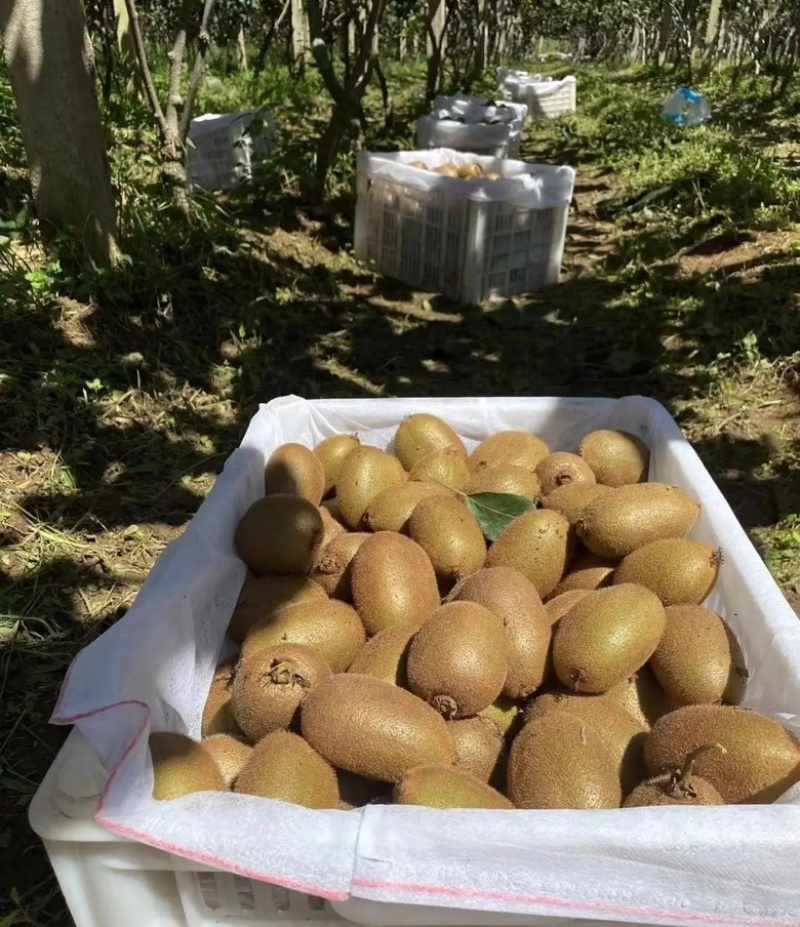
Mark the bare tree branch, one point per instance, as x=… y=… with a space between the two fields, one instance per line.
x=147 y=77
x=204 y=41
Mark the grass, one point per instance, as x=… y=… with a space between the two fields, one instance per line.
x=122 y=394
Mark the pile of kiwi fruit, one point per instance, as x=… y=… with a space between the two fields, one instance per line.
x=470 y=171
x=515 y=627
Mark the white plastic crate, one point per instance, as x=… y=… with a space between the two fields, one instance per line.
x=744 y=857
x=470 y=240
x=224 y=150
x=549 y=98
x=498 y=140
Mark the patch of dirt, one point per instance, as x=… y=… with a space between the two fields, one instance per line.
x=742 y=253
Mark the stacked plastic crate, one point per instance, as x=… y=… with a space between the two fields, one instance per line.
x=461 y=215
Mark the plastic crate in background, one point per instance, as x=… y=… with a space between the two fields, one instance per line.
x=468 y=239
x=224 y=150
x=548 y=98
x=499 y=139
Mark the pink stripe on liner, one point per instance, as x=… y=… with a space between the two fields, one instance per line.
x=562 y=903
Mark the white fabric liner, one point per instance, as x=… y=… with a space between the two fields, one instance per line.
x=534 y=186
x=151 y=670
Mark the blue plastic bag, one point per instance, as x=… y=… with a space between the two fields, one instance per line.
x=686 y=107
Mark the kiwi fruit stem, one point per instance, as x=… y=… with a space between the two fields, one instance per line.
x=679 y=785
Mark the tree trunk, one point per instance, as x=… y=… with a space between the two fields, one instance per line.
x=49 y=58
x=241 y=49
x=300 y=35
x=435 y=26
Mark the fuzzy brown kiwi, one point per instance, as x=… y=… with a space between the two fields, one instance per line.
x=392 y=509
x=279 y=534
x=262 y=596
x=270 y=685
x=587 y=571
x=384 y=656
x=446 y=467
x=374 y=729
x=331 y=628
x=393 y=583
x=504 y=478
x=181 y=766
x=365 y=472
x=217 y=714
x=439 y=786
x=563 y=469
x=284 y=767
x=571 y=499
x=229 y=753
x=481 y=750
x=519 y=448
x=295 y=470
x=515 y=601
x=331 y=453
x=420 y=435
x=679 y=787
x=450 y=535
x=332 y=571
x=458 y=661
x=539 y=545
x=617 y=458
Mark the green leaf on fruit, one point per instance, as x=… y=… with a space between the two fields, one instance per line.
x=496 y=510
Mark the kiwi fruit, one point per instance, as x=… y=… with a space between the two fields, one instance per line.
x=538 y=545
x=262 y=596
x=332 y=505
x=642 y=697
x=562 y=469
x=505 y=714
x=391 y=509
x=217 y=714
x=331 y=528
x=759 y=760
x=607 y=637
x=333 y=571
x=679 y=571
x=622 y=736
x=470 y=171
x=365 y=472
x=558 y=606
x=616 y=523
x=480 y=749
x=356 y=791
x=446 y=170
x=458 y=660
x=181 y=766
x=559 y=761
x=698 y=660
x=571 y=499
x=229 y=753
x=271 y=683
x=284 y=767
x=331 y=453
x=439 y=786
x=420 y=435
x=616 y=458
x=332 y=629
x=511 y=447
x=515 y=602
x=279 y=534
x=374 y=729
x=393 y=583
x=384 y=656
x=587 y=571
x=679 y=787
x=504 y=478
x=446 y=467
x=295 y=470
x=450 y=535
